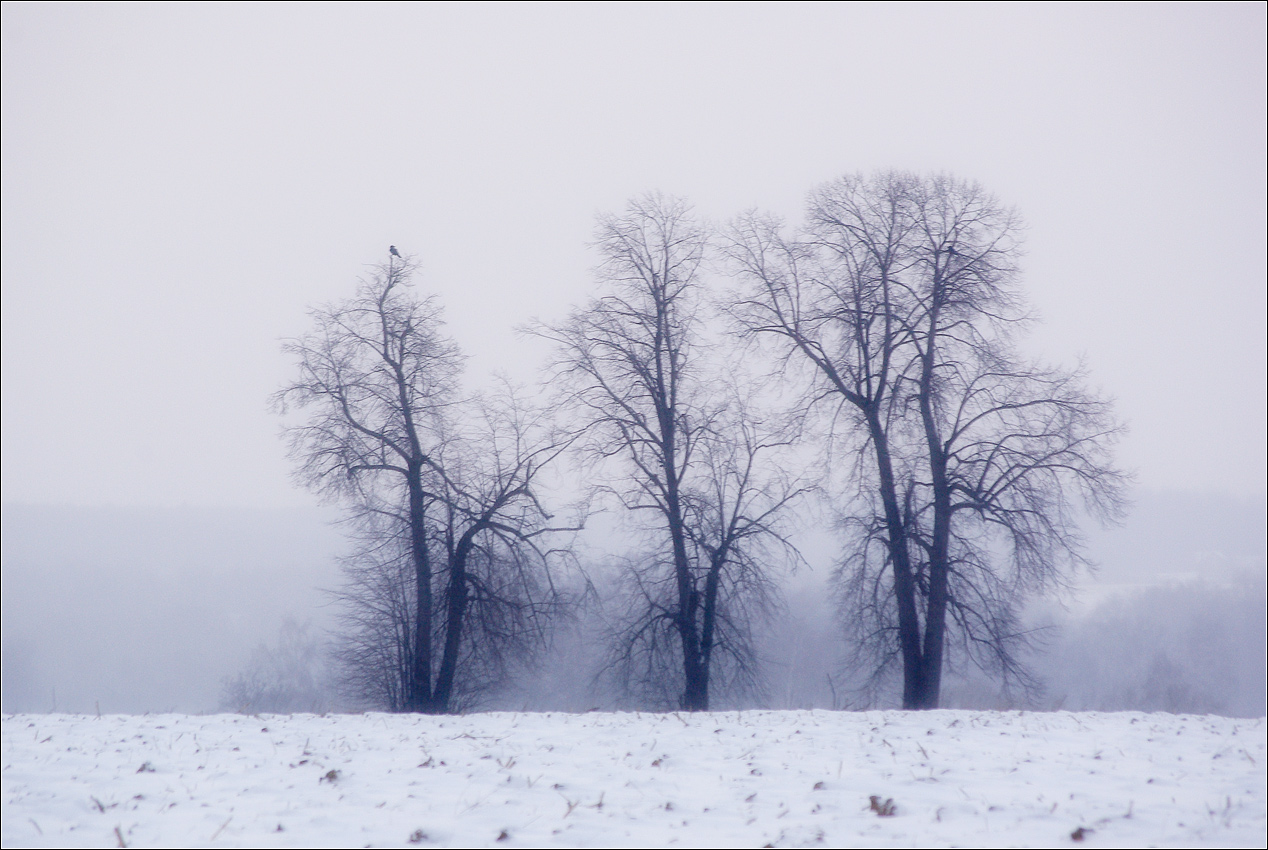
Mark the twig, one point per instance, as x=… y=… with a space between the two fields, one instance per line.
x=215 y=834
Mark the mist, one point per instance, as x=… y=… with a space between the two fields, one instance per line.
x=154 y=610
x=136 y=610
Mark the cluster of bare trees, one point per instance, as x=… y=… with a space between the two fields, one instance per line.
x=892 y=314
x=287 y=677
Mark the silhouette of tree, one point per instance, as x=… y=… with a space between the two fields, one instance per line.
x=900 y=299
x=450 y=573
x=692 y=458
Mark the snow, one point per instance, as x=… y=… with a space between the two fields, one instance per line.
x=753 y=778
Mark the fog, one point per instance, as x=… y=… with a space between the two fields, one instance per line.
x=182 y=183
x=153 y=610
x=133 y=610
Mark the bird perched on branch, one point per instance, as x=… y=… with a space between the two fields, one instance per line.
x=391 y=249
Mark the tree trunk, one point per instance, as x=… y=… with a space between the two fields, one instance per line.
x=695 y=695
x=455 y=610
x=900 y=561
x=939 y=546
x=419 y=695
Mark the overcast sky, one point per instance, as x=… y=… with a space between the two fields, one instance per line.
x=180 y=183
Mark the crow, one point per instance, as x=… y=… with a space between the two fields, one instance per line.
x=391 y=249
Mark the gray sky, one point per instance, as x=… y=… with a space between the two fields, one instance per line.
x=181 y=182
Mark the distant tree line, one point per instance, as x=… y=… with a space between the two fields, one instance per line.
x=719 y=382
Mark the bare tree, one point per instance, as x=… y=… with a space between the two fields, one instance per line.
x=449 y=572
x=287 y=677
x=691 y=460
x=900 y=296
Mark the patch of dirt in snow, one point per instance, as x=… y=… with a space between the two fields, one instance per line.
x=754 y=778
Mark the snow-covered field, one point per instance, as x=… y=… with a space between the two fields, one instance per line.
x=751 y=778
